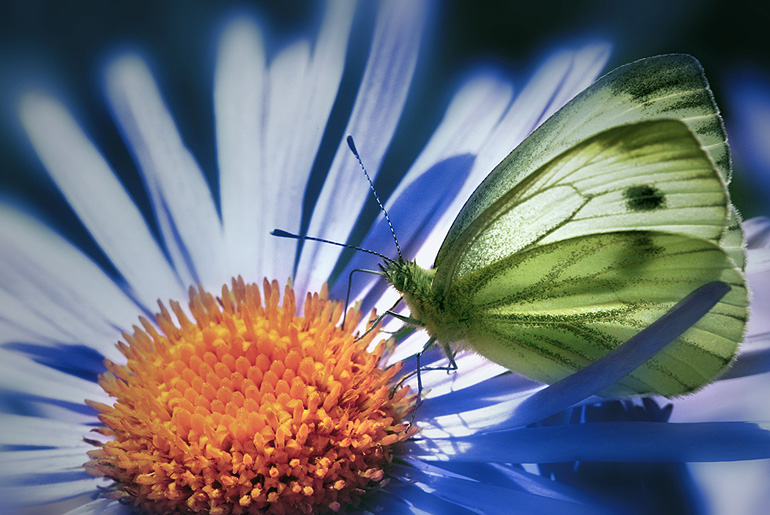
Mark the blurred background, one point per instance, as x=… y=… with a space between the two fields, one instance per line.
x=64 y=45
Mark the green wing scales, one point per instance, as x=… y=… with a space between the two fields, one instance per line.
x=646 y=176
x=552 y=309
x=669 y=86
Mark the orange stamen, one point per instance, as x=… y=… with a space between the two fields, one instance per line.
x=248 y=408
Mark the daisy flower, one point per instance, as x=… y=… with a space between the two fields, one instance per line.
x=234 y=394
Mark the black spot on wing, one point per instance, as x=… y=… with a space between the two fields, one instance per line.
x=644 y=198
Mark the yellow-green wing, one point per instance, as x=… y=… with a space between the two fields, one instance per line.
x=650 y=175
x=669 y=86
x=552 y=309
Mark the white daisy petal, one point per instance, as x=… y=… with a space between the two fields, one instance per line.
x=181 y=197
x=40 y=432
x=474 y=112
x=20 y=324
x=49 y=493
x=70 y=412
x=562 y=76
x=24 y=376
x=269 y=127
x=51 y=279
x=287 y=85
x=43 y=461
x=301 y=98
x=101 y=507
x=99 y=199
x=239 y=86
x=376 y=112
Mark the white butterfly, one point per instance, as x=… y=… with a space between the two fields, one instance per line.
x=597 y=224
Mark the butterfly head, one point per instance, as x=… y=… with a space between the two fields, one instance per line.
x=408 y=278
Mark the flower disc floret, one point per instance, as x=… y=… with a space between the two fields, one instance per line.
x=248 y=408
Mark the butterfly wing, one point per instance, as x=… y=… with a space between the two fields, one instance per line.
x=669 y=86
x=650 y=175
x=596 y=244
x=553 y=309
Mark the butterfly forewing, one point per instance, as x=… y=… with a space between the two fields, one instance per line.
x=670 y=86
x=649 y=175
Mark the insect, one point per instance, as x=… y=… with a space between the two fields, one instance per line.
x=597 y=224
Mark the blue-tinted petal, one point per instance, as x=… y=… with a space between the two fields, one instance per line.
x=409 y=498
x=485 y=498
x=604 y=441
x=752 y=361
x=77 y=360
x=102 y=507
x=516 y=478
x=493 y=391
x=30 y=494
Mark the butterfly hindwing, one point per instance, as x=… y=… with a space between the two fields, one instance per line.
x=552 y=309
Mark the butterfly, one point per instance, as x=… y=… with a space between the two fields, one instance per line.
x=597 y=224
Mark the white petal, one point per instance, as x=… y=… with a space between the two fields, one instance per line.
x=182 y=199
x=98 y=198
x=471 y=370
x=19 y=374
x=758 y=275
x=472 y=421
x=285 y=113
x=40 y=432
x=299 y=109
x=475 y=110
x=741 y=398
x=51 y=279
x=376 y=111
x=101 y=507
x=270 y=125
x=49 y=493
x=239 y=86
x=562 y=76
x=44 y=408
x=733 y=487
x=20 y=324
x=43 y=461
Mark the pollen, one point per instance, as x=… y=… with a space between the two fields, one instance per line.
x=248 y=408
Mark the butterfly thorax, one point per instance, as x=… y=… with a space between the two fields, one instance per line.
x=426 y=306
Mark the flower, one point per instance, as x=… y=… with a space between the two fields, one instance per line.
x=72 y=397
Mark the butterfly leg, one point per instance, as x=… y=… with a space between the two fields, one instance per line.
x=418 y=401
x=389 y=312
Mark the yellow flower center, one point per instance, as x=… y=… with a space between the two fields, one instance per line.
x=248 y=409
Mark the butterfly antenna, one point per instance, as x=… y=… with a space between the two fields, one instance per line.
x=285 y=234
x=376 y=197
